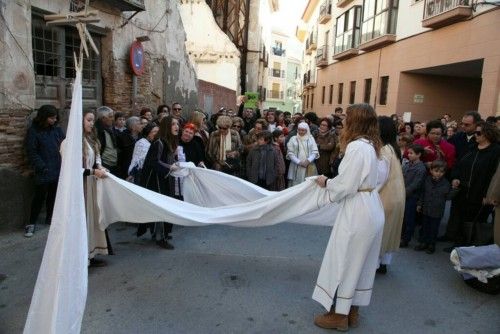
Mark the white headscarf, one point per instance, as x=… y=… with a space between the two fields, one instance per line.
x=303 y=125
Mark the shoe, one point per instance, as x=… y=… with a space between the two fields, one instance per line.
x=421 y=247
x=431 y=249
x=382 y=269
x=332 y=320
x=353 y=316
x=97 y=263
x=403 y=244
x=164 y=244
x=29 y=230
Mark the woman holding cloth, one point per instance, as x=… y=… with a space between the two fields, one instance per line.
x=348 y=270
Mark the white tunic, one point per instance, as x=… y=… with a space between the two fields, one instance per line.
x=351 y=257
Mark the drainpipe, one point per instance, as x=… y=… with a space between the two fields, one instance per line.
x=244 y=49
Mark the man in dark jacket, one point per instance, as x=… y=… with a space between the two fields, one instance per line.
x=125 y=142
x=464 y=142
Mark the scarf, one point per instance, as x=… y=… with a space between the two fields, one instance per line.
x=225 y=145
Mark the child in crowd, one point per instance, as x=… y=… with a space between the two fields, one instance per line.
x=414 y=174
x=279 y=147
x=404 y=141
x=263 y=161
x=436 y=191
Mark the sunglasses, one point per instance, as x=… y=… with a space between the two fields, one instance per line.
x=223 y=128
x=237 y=126
x=176 y=108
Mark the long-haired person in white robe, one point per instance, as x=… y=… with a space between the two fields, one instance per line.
x=302 y=151
x=347 y=272
x=93 y=169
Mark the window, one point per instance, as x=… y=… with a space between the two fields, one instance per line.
x=340 y=93
x=368 y=90
x=307 y=101
x=330 y=98
x=384 y=85
x=323 y=95
x=352 y=92
x=312 y=100
x=347 y=32
x=379 y=18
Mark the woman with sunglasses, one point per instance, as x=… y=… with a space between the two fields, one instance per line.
x=472 y=176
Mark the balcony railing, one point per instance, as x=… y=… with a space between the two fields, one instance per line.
x=342 y=3
x=278 y=51
x=309 y=79
x=311 y=43
x=325 y=12
x=322 y=56
x=438 y=13
x=276 y=94
x=276 y=73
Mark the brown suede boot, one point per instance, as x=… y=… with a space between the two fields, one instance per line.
x=332 y=320
x=353 y=316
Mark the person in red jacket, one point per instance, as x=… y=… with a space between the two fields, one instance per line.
x=436 y=148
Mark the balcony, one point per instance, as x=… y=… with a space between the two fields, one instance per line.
x=277 y=51
x=322 y=56
x=343 y=3
x=262 y=54
x=276 y=73
x=377 y=42
x=309 y=79
x=439 y=13
x=325 y=12
x=125 y=5
x=349 y=53
x=275 y=94
x=311 y=44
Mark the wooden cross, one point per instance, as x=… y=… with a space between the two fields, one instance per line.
x=79 y=19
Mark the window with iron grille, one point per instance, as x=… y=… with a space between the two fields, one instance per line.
x=323 y=95
x=352 y=92
x=368 y=90
x=340 y=93
x=53 y=50
x=384 y=86
x=330 y=98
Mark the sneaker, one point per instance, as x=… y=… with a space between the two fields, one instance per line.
x=382 y=269
x=29 y=230
x=97 y=263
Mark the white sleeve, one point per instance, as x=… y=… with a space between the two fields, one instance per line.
x=291 y=147
x=313 y=147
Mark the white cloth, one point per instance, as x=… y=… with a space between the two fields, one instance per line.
x=351 y=257
x=141 y=149
x=60 y=293
x=219 y=199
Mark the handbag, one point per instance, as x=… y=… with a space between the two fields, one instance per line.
x=311 y=170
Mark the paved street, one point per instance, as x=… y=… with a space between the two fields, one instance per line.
x=236 y=280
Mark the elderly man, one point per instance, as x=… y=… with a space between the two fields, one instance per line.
x=125 y=142
x=107 y=138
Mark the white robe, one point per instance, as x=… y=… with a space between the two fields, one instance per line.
x=351 y=257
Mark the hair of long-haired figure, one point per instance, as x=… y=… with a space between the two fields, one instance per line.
x=166 y=134
x=361 y=122
x=91 y=137
x=389 y=133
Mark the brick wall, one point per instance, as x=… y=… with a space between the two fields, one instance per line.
x=13 y=124
x=221 y=96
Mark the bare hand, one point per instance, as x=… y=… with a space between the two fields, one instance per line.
x=304 y=163
x=321 y=181
x=100 y=173
x=455 y=184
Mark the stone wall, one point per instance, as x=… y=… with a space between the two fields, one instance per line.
x=168 y=77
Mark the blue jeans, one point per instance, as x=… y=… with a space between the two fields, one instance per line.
x=430 y=228
x=409 y=218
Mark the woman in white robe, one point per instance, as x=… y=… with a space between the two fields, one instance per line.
x=97 y=243
x=302 y=151
x=351 y=258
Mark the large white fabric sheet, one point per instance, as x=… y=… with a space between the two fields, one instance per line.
x=212 y=197
x=58 y=301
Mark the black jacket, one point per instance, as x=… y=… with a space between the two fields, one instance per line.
x=125 y=143
x=462 y=145
x=475 y=171
x=434 y=196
